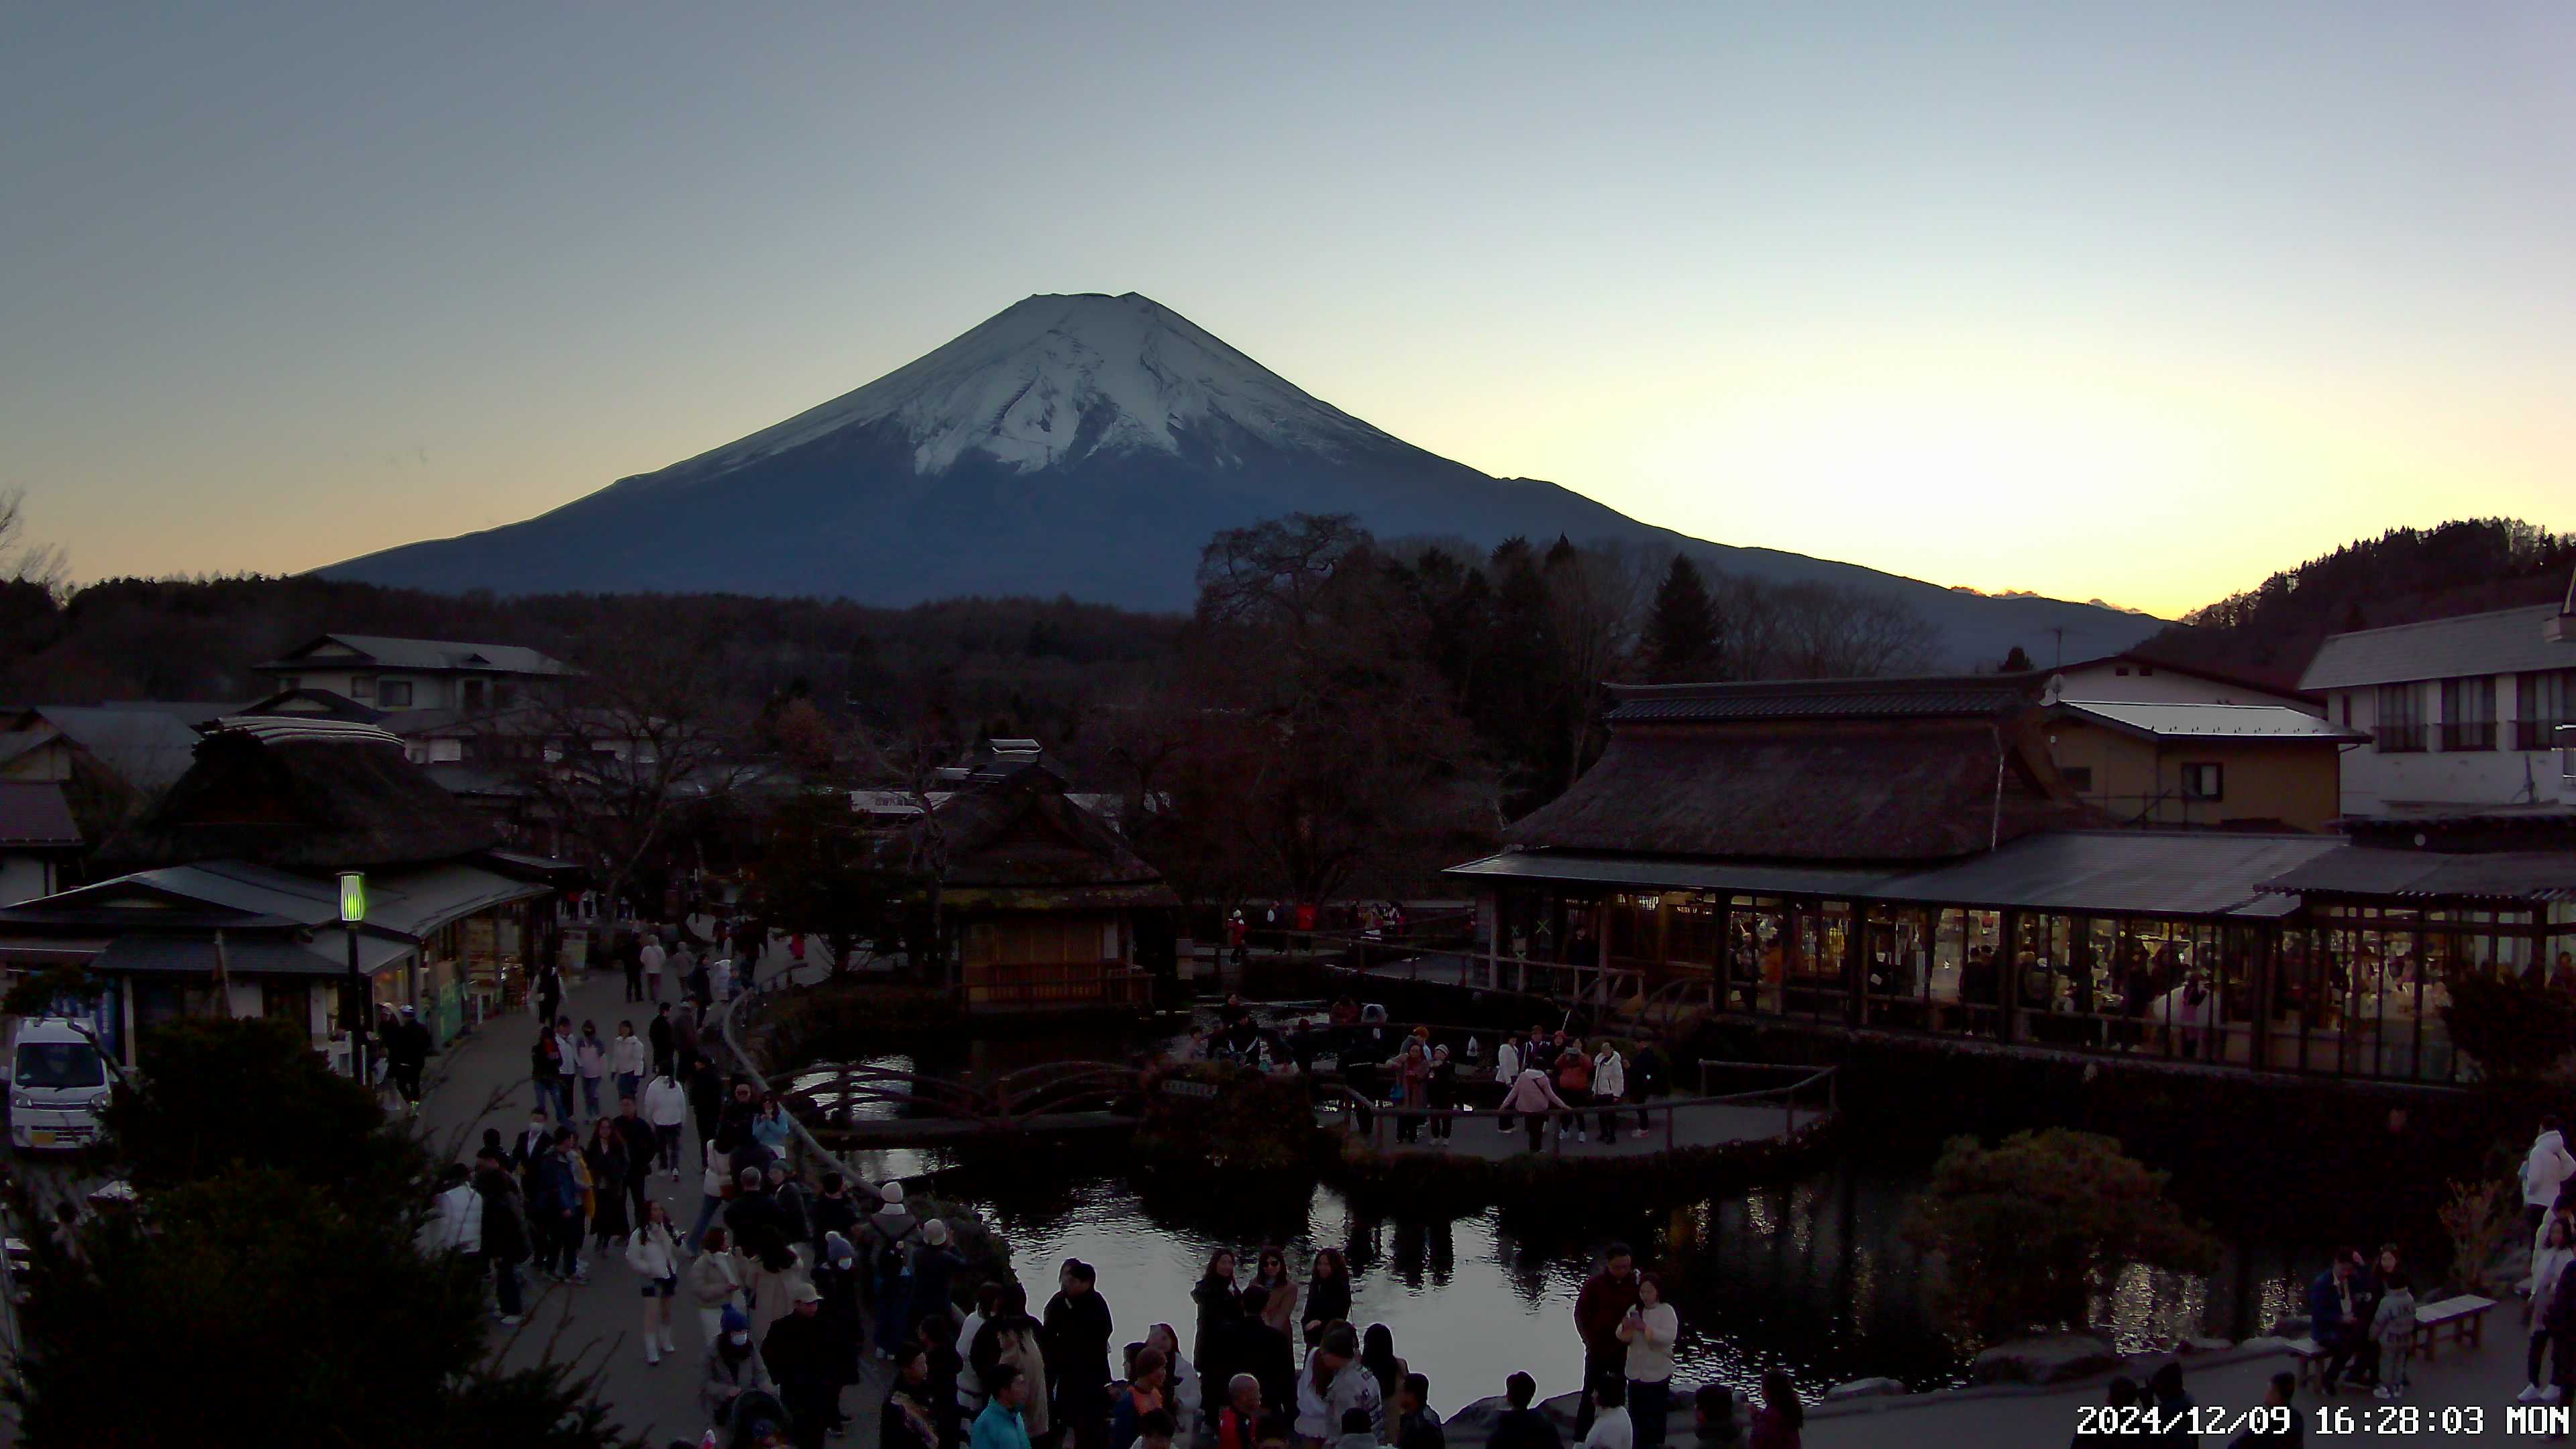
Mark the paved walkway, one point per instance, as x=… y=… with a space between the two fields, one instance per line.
x=483 y=1082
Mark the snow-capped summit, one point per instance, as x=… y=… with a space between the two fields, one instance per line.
x=1087 y=446
x=1056 y=378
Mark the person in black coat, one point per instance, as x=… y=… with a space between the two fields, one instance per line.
x=505 y=1229
x=1075 y=1337
x=798 y=1350
x=910 y=1418
x=1264 y=1352
x=705 y=1086
x=658 y=1035
x=1220 y=1308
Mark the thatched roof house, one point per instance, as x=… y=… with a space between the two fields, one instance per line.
x=302 y=796
x=1049 y=907
x=1866 y=771
x=229 y=903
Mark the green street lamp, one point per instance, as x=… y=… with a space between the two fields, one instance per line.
x=353 y=995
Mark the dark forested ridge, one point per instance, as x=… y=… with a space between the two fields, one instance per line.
x=974 y=660
x=2404 y=576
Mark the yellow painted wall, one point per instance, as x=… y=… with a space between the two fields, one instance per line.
x=2300 y=782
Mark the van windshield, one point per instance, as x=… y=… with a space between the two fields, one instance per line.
x=59 y=1064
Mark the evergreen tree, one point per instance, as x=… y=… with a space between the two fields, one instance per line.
x=1681 y=628
x=2017 y=661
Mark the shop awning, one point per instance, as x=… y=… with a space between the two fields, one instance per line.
x=2122 y=872
x=2361 y=870
x=1730 y=877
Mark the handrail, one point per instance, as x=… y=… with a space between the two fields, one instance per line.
x=1350 y=1100
x=804 y=1137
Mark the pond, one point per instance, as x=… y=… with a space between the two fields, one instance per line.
x=1811 y=1275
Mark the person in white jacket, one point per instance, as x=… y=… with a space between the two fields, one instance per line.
x=626 y=1062
x=455 y=1223
x=655 y=1256
x=666 y=1107
x=1609 y=1088
x=1507 y=1070
x=2544 y=1172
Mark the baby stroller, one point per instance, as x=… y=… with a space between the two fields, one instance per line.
x=752 y=1417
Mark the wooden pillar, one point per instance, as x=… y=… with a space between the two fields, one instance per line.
x=1856 y=962
x=2008 y=1026
x=1723 y=971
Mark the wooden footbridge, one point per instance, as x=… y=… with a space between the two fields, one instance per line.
x=858 y=1105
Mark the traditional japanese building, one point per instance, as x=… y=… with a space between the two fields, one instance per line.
x=229 y=904
x=1044 y=904
x=1908 y=856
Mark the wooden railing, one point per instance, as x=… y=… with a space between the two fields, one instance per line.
x=1363 y=1116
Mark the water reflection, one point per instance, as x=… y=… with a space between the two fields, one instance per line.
x=1812 y=1275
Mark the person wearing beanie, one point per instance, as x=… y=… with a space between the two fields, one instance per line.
x=935 y=1264
x=733 y=1364
x=892 y=1234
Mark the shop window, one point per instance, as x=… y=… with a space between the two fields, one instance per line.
x=2204 y=782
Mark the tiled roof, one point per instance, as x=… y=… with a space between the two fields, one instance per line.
x=1926 y=698
x=428 y=655
x=2508 y=641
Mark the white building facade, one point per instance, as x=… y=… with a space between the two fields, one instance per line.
x=2462 y=714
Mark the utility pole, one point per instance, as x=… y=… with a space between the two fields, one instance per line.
x=354 y=1005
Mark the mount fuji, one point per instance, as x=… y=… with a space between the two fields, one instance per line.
x=1085 y=445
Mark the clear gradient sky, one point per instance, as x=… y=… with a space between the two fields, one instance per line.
x=2136 y=301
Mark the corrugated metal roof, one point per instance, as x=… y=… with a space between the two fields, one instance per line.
x=2130 y=872
x=148 y=749
x=417 y=903
x=2362 y=870
x=2127 y=872
x=1735 y=877
x=2212 y=721
x=2508 y=641
x=244 y=955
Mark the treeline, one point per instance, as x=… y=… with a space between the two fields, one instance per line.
x=2404 y=576
x=1346 y=716
x=975 y=660
x=1338 y=715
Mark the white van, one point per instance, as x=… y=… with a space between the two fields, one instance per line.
x=57 y=1086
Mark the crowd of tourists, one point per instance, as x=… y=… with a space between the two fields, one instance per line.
x=1527 y=1081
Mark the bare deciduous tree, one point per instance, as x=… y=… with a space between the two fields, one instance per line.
x=23 y=561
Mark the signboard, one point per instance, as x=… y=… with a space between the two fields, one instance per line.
x=1176 y=1087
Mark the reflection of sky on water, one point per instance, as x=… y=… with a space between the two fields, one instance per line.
x=1812 y=1275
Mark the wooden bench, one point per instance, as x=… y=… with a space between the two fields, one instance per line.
x=2312 y=1359
x=2464 y=1318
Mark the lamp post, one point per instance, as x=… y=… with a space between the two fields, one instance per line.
x=353 y=993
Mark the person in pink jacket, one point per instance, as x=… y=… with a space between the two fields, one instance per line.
x=1531 y=1095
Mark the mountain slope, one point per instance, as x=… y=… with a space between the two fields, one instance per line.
x=1083 y=445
